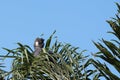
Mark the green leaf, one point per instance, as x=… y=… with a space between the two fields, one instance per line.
x=47 y=46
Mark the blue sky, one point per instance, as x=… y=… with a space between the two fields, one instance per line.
x=76 y=21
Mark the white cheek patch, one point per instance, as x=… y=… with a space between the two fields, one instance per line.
x=36 y=43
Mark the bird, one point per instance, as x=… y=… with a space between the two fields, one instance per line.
x=38 y=45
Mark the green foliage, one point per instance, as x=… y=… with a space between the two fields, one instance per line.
x=64 y=63
x=109 y=51
x=1 y=71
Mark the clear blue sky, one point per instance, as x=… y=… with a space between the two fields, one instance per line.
x=76 y=21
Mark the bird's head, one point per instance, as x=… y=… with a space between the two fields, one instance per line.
x=39 y=42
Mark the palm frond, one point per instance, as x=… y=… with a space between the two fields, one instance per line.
x=109 y=51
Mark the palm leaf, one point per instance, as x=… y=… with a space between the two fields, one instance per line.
x=109 y=52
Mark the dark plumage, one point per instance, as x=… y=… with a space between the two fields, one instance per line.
x=38 y=45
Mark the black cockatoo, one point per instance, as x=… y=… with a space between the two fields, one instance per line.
x=38 y=45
